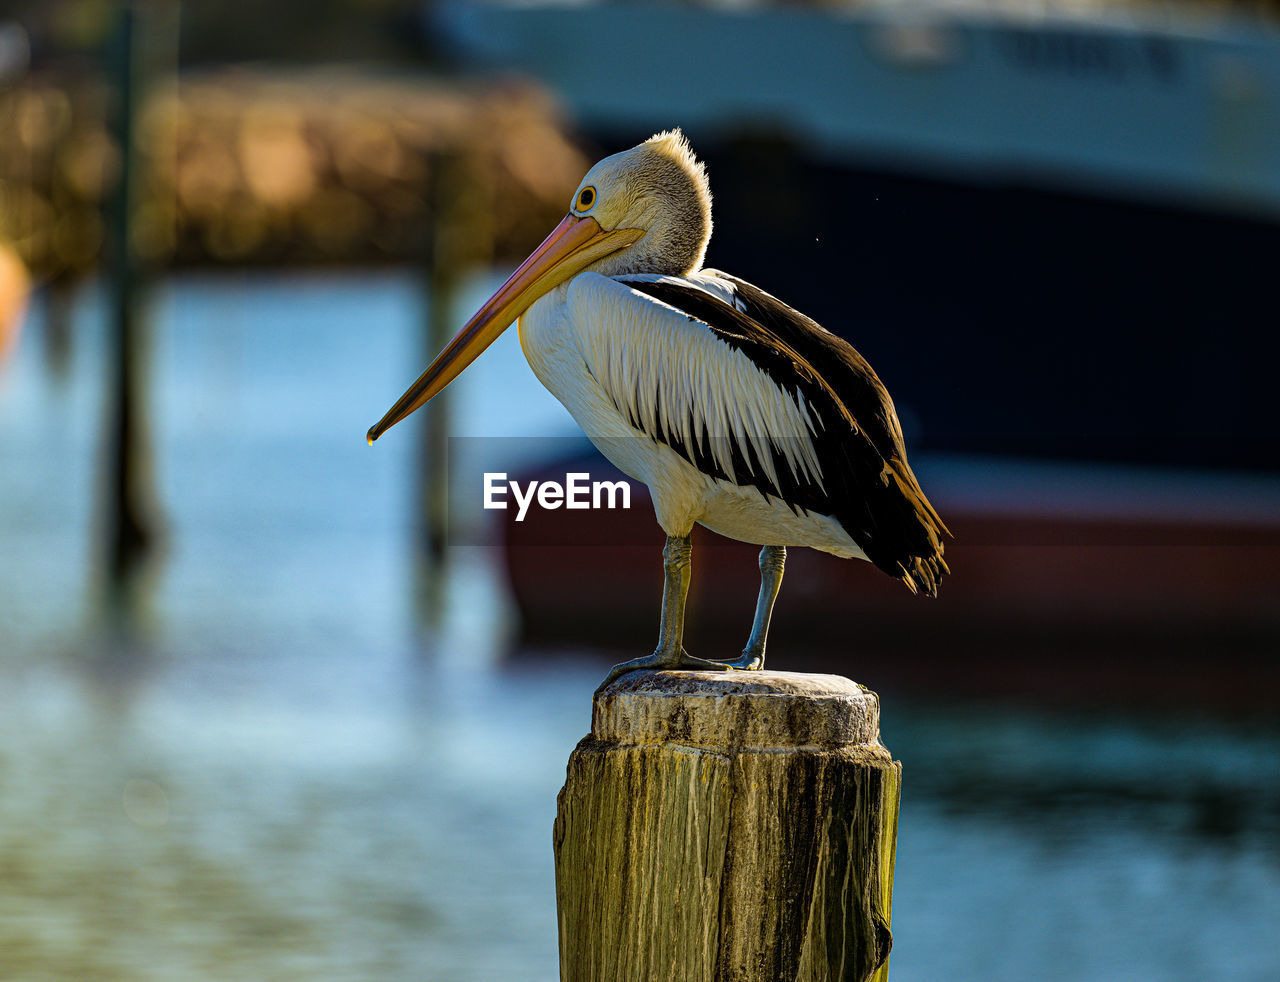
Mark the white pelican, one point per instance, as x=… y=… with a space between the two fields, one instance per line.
x=738 y=412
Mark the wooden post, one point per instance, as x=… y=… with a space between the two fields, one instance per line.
x=131 y=514
x=461 y=239
x=728 y=827
x=445 y=262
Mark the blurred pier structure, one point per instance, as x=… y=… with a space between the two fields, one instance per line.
x=248 y=168
x=143 y=48
x=462 y=242
x=254 y=167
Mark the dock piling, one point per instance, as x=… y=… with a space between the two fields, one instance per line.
x=461 y=240
x=728 y=827
x=131 y=514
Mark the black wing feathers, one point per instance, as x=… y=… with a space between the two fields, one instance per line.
x=866 y=482
x=857 y=384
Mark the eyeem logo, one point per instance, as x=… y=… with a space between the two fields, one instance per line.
x=578 y=491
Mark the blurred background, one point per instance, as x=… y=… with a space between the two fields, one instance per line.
x=274 y=705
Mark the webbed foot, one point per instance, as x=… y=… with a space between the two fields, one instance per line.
x=662 y=658
x=750 y=661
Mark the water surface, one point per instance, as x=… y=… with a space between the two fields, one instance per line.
x=287 y=776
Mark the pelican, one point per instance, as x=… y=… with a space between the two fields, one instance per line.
x=738 y=412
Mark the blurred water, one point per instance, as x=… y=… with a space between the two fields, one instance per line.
x=287 y=779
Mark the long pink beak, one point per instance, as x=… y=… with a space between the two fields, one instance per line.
x=574 y=245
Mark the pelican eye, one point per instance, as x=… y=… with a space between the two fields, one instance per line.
x=586 y=198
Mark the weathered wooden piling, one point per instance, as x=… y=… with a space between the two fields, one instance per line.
x=728 y=827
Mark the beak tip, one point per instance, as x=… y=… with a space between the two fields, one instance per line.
x=371 y=435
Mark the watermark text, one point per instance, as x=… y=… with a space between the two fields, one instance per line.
x=577 y=491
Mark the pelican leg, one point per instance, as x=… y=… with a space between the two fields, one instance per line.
x=772 y=561
x=677 y=560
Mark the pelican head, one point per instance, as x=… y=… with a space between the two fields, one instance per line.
x=645 y=210
x=659 y=187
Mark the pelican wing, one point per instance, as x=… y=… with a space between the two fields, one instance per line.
x=678 y=382
x=688 y=365
x=849 y=374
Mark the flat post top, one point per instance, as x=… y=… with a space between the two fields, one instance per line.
x=736 y=710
